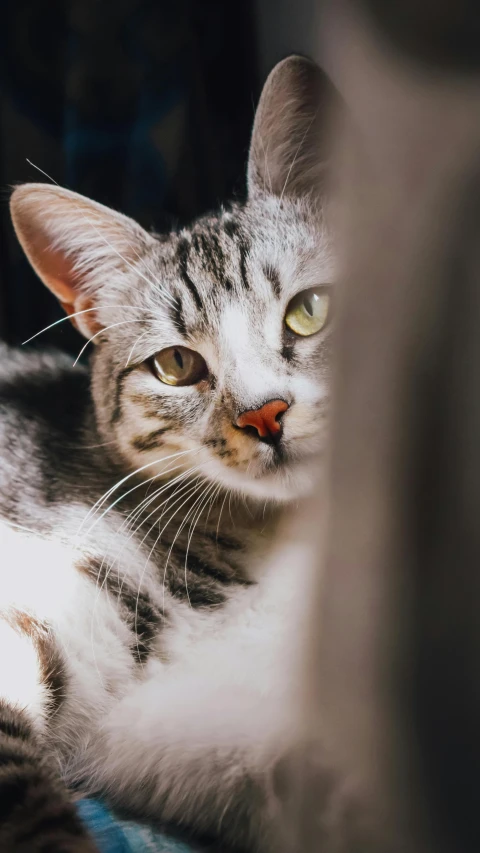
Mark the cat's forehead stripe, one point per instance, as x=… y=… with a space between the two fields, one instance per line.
x=183 y=252
x=217 y=251
x=178 y=316
x=273 y=277
x=210 y=252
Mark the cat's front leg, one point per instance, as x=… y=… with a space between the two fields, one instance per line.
x=36 y=813
x=204 y=756
x=196 y=755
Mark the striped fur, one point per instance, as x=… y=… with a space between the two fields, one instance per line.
x=148 y=601
x=36 y=814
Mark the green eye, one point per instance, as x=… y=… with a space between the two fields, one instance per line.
x=179 y=366
x=308 y=311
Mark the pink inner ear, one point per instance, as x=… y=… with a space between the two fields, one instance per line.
x=58 y=274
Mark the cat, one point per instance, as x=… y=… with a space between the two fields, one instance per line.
x=148 y=606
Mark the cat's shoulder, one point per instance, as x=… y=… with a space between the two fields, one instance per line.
x=39 y=391
x=17 y=363
x=33 y=378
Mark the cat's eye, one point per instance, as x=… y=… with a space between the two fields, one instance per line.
x=308 y=311
x=179 y=366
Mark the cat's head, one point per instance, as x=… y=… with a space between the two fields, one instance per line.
x=211 y=344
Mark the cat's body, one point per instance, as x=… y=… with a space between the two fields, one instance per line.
x=116 y=622
x=148 y=607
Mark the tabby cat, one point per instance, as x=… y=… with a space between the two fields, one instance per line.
x=148 y=607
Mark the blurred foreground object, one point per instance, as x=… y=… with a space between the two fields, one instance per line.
x=394 y=678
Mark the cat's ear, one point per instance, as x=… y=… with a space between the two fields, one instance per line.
x=287 y=151
x=75 y=245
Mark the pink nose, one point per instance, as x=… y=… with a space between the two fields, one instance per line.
x=264 y=420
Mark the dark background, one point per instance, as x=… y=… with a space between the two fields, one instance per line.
x=144 y=105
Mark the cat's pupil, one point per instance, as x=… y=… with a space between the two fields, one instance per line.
x=307 y=304
x=178 y=358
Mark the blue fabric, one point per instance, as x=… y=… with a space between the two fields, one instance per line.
x=118 y=836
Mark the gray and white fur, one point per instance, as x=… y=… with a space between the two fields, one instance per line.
x=149 y=608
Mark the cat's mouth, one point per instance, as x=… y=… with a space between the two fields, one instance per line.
x=277 y=458
x=279 y=467
x=279 y=472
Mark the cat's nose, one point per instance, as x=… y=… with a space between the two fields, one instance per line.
x=265 y=421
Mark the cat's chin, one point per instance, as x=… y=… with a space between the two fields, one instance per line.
x=289 y=483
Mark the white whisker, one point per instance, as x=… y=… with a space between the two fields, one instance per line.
x=148 y=501
x=112 y=326
x=137 y=511
x=77 y=314
x=220 y=515
x=113 y=489
x=182 y=525
x=206 y=494
x=230 y=507
x=193 y=490
x=139 y=586
x=135 y=344
x=219 y=489
x=100 y=587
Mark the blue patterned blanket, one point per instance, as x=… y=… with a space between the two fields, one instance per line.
x=118 y=836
